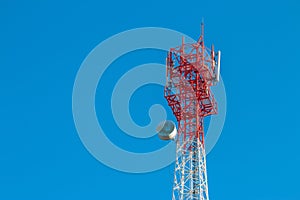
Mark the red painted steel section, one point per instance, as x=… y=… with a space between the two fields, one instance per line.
x=190 y=73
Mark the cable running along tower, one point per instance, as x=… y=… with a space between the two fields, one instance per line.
x=191 y=70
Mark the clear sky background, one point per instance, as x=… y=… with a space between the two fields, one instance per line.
x=42 y=46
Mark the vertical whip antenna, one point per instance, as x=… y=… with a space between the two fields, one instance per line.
x=202 y=29
x=201 y=38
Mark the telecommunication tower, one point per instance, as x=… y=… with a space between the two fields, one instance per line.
x=190 y=70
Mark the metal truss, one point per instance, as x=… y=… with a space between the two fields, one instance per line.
x=190 y=73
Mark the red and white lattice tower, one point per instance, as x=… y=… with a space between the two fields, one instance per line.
x=191 y=70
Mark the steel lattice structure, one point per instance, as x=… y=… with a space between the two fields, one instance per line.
x=191 y=70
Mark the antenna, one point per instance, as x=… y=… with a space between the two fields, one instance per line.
x=202 y=28
x=201 y=38
x=218 y=67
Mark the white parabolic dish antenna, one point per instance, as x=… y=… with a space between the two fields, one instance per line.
x=166 y=130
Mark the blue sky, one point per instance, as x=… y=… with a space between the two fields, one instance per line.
x=43 y=44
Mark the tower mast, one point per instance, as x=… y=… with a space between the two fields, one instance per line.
x=191 y=70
